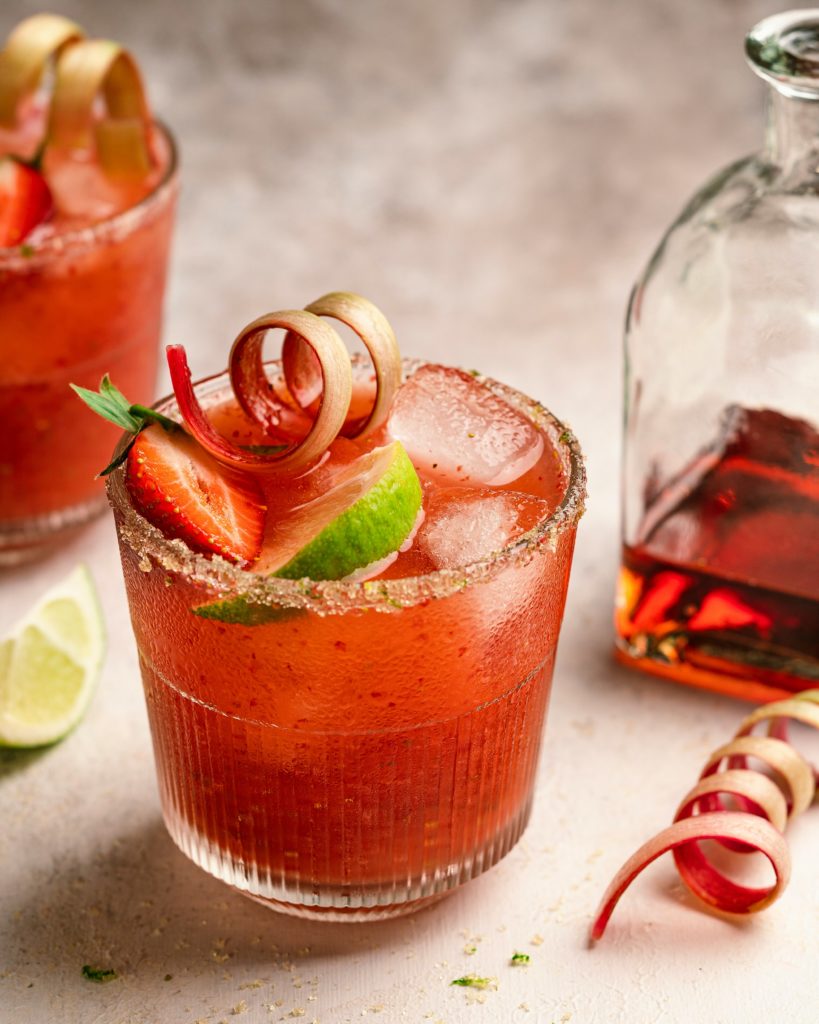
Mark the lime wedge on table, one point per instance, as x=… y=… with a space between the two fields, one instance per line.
x=367 y=514
x=49 y=664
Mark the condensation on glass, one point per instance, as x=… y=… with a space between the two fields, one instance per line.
x=367 y=746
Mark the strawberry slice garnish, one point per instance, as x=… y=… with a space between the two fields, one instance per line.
x=186 y=493
x=176 y=484
x=25 y=200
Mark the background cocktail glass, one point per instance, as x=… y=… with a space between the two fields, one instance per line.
x=375 y=743
x=81 y=303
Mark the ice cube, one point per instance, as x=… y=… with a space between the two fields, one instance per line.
x=465 y=525
x=455 y=428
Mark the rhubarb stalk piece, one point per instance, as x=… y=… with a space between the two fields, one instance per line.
x=318 y=378
x=28 y=50
x=254 y=392
x=302 y=372
x=86 y=72
x=766 y=805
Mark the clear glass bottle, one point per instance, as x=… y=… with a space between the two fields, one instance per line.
x=719 y=584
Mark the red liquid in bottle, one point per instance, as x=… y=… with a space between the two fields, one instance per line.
x=721 y=589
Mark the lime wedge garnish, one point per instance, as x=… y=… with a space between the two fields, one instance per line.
x=366 y=515
x=49 y=664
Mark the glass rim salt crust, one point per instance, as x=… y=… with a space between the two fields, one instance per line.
x=326 y=597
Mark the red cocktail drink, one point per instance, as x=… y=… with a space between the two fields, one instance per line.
x=351 y=747
x=80 y=295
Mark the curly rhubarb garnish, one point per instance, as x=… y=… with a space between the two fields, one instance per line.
x=300 y=438
x=29 y=48
x=91 y=71
x=254 y=392
x=181 y=477
x=766 y=803
x=88 y=74
x=303 y=374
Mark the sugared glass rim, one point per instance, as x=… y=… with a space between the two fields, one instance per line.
x=335 y=596
x=119 y=224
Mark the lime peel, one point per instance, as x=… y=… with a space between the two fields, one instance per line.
x=50 y=662
x=369 y=529
x=369 y=513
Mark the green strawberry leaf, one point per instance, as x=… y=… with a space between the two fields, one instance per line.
x=110 y=403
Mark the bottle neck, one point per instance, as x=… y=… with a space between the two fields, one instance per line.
x=793 y=130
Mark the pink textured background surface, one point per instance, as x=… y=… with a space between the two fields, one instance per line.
x=493 y=174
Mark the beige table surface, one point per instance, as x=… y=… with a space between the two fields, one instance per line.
x=493 y=174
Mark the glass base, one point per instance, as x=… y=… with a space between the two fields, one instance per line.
x=299 y=897
x=348 y=914
x=23 y=540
